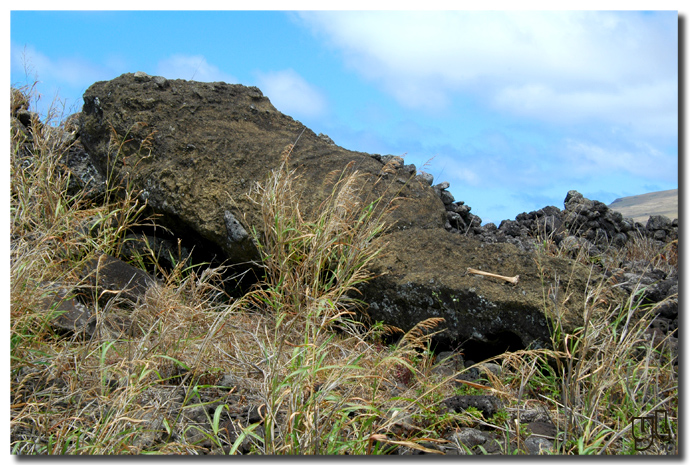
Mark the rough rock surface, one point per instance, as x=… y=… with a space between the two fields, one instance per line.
x=111 y=277
x=195 y=149
x=423 y=275
x=71 y=315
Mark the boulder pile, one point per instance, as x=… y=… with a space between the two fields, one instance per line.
x=582 y=223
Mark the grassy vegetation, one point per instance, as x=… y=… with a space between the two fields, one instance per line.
x=288 y=368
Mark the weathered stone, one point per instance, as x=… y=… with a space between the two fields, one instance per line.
x=488 y=405
x=470 y=437
x=473 y=441
x=85 y=177
x=237 y=236
x=426 y=178
x=326 y=139
x=423 y=276
x=530 y=415
x=493 y=368
x=196 y=149
x=536 y=445
x=70 y=314
x=141 y=76
x=160 y=81
x=447 y=198
x=510 y=228
x=658 y=222
x=110 y=277
x=448 y=363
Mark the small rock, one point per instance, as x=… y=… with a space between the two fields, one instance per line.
x=71 y=315
x=488 y=405
x=467 y=438
x=536 y=445
x=141 y=76
x=410 y=169
x=658 y=222
x=161 y=82
x=236 y=232
x=426 y=178
x=448 y=363
x=446 y=197
x=106 y=273
x=494 y=368
x=326 y=139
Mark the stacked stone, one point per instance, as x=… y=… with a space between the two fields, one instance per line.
x=583 y=223
x=458 y=216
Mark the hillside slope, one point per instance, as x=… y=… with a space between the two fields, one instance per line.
x=640 y=207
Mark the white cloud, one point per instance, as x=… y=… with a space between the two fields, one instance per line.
x=649 y=109
x=192 y=68
x=67 y=71
x=557 y=66
x=466 y=176
x=292 y=94
x=638 y=159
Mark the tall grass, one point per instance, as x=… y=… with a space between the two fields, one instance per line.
x=609 y=370
x=320 y=377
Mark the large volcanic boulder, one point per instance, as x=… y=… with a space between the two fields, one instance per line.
x=195 y=149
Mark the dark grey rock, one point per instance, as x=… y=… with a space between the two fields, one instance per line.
x=69 y=314
x=488 y=405
x=446 y=197
x=536 y=445
x=85 y=176
x=110 y=277
x=658 y=222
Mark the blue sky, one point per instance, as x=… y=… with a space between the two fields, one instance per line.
x=512 y=108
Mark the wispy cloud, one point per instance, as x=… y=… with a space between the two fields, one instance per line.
x=292 y=94
x=69 y=71
x=192 y=68
x=648 y=109
x=558 y=66
x=638 y=159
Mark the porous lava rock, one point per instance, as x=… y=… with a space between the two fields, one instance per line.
x=194 y=150
x=423 y=274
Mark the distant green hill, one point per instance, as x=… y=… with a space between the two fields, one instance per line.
x=641 y=207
